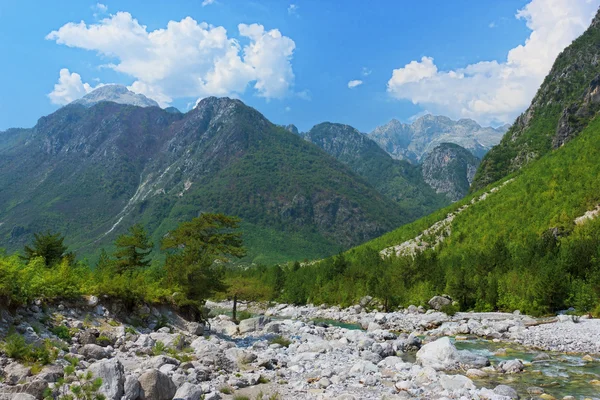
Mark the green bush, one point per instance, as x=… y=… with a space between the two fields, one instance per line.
x=62 y=332
x=280 y=340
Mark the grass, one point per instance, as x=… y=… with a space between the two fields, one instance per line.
x=226 y=390
x=280 y=340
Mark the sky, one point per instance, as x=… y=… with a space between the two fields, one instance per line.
x=300 y=61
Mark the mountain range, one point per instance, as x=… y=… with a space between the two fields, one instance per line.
x=114 y=158
x=91 y=171
x=413 y=141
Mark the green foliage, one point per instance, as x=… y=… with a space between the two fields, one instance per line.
x=192 y=250
x=48 y=246
x=226 y=390
x=79 y=386
x=62 y=332
x=159 y=348
x=132 y=250
x=280 y=340
x=15 y=346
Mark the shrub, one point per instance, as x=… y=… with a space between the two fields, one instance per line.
x=15 y=347
x=450 y=309
x=226 y=390
x=159 y=348
x=280 y=340
x=242 y=315
x=62 y=332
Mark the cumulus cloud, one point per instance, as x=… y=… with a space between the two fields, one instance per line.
x=366 y=71
x=354 y=83
x=69 y=87
x=292 y=9
x=187 y=58
x=497 y=91
x=207 y=2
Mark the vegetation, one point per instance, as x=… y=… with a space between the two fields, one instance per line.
x=194 y=255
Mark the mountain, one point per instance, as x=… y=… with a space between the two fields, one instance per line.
x=527 y=241
x=450 y=169
x=563 y=105
x=396 y=179
x=117 y=94
x=90 y=172
x=412 y=141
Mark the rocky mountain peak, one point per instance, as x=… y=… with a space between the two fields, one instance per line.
x=117 y=94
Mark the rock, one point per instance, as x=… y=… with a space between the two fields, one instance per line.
x=195 y=328
x=113 y=378
x=92 y=301
x=168 y=339
x=187 y=391
x=587 y=358
x=476 y=373
x=511 y=366
x=51 y=373
x=158 y=361
x=94 y=352
x=507 y=391
x=88 y=336
x=23 y=396
x=253 y=324
x=16 y=373
x=541 y=357
x=438 y=302
x=365 y=301
x=131 y=388
x=442 y=355
x=456 y=382
x=363 y=368
x=324 y=383
x=154 y=385
x=34 y=388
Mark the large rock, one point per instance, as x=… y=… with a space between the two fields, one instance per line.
x=439 y=302
x=154 y=385
x=15 y=373
x=511 y=366
x=456 y=382
x=506 y=391
x=94 y=352
x=187 y=391
x=443 y=355
x=131 y=388
x=253 y=324
x=113 y=378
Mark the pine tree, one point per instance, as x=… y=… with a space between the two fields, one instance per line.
x=132 y=250
x=47 y=245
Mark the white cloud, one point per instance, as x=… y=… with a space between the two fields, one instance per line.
x=354 y=83
x=366 y=71
x=69 y=88
x=187 y=58
x=101 y=7
x=492 y=25
x=207 y=2
x=497 y=91
x=293 y=9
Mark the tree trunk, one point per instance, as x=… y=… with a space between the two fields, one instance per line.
x=234 y=310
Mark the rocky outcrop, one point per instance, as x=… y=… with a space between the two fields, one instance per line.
x=552 y=117
x=414 y=141
x=576 y=116
x=450 y=169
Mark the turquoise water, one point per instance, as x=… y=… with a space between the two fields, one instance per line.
x=333 y=322
x=562 y=375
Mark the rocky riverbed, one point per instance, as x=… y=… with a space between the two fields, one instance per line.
x=154 y=353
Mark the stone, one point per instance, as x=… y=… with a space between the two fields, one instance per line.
x=324 y=383
x=94 y=352
x=253 y=324
x=476 y=373
x=113 y=377
x=34 y=388
x=88 y=336
x=511 y=366
x=439 y=302
x=187 y=391
x=195 y=328
x=23 y=396
x=365 y=301
x=16 y=373
x=443 y=355
x=51 y=373
x=154 y=385
x=92 y=301
x=507 y=391
x=456 y=382
x=362 y=368
x=131 y=388
x=587 y=358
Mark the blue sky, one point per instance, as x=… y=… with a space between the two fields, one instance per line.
x=305 y=52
